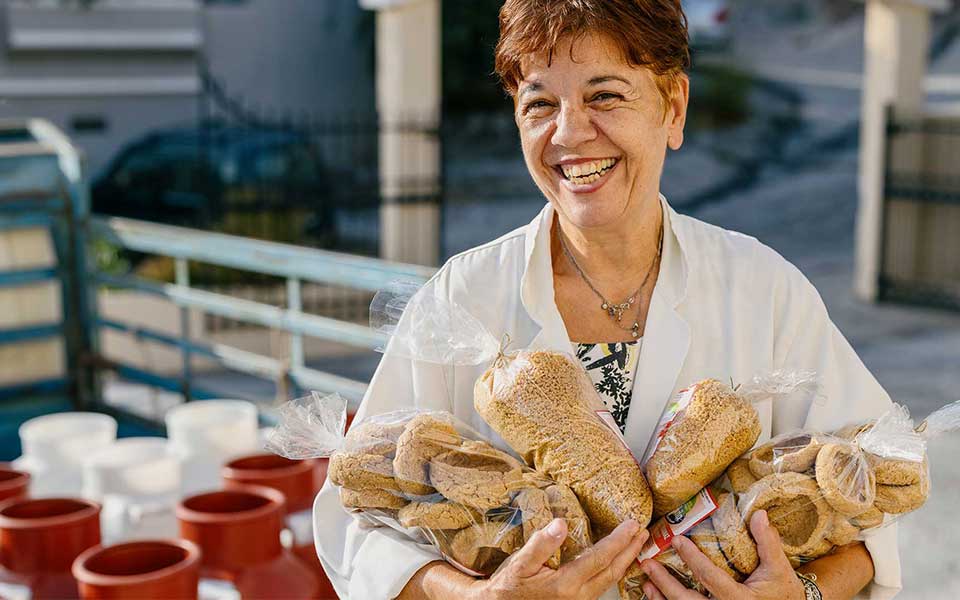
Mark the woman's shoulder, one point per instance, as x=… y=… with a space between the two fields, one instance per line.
x=488 y=264
x=729 y=253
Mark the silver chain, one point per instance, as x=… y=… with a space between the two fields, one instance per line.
x=616 y=310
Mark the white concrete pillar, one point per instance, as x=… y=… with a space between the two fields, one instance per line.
x=408 y=103
x=896 y=42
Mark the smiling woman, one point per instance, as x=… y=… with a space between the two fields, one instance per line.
x=648 y=300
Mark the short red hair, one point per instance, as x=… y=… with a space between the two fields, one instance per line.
x=651 y=34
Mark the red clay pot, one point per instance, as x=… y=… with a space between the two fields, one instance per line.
x=39 y=540
x=238 y=532
x=142 y=569
x=13 y=483
x=293 y=478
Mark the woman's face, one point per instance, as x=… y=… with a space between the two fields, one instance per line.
x=594 y=132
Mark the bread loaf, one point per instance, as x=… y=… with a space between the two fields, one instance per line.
x=714 y=428
x=545 y=407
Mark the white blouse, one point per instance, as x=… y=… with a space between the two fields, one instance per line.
x=724 y=306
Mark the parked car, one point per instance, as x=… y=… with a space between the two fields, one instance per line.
x=708 y=23
x=221 y=177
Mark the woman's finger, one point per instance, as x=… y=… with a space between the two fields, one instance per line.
x=719 y=583
x=768 y=542
x=652 y=592
x=668 y=586
x=618 y=567
x=601 y=555
x=539 y=548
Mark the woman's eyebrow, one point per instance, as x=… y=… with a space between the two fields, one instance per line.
x=606 y=78
x=533 y=86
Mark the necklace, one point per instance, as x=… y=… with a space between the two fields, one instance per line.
x=615 y=310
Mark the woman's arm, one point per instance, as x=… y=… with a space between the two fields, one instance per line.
x=843 y=574
x=437 y=581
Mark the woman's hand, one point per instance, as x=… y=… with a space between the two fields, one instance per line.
x=774 y=579
x=526 y=577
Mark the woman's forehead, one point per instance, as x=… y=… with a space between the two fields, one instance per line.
x=588 y=58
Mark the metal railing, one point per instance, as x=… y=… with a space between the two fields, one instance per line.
x=54 y=198
x=297 y=265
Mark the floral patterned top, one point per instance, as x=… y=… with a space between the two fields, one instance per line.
x=612 y=367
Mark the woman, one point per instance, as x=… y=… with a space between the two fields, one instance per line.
x=648 y=299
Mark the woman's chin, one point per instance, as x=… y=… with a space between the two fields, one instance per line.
x=591 y=213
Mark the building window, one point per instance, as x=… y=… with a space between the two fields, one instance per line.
x=88 y=124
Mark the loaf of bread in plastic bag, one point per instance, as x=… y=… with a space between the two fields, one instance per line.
x=709 y=432
x=545 y=407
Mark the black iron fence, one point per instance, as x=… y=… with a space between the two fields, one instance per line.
x=920 y=241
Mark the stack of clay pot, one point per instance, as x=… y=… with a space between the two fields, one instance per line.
x=141 y=569
x=13 y=482
x=238 y=532
x=39 y=540
x=299 y=482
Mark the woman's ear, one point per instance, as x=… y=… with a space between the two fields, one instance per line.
x=676 y=116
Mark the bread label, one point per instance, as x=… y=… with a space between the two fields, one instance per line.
x=678 y=522
x=611 y=423
x=679 y=403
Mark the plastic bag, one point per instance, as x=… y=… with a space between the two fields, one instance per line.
x=706 y=427
x=542 y=403
x=429 y=476
x=820 y=490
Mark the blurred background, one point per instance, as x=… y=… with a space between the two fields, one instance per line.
x=199 y=198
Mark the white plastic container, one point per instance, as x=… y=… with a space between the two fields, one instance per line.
x=54 y=447
x=137 y=481
x=205 y=434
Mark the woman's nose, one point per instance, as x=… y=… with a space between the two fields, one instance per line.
x=573 y=127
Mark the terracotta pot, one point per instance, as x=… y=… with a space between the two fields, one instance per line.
x=143 y=569
x=39 y=540
x=293 y=478
x=238 y=532
x=13 y=483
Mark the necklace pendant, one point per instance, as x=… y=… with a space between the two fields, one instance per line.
x=635 y=330
x=605 y=306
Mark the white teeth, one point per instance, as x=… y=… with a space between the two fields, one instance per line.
x=584 y=173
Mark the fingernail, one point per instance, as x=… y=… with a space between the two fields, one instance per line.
x=555 y=528
x=632 y=527
x=764 y=519
x=678 y=542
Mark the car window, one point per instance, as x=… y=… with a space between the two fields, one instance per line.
x=171 y=165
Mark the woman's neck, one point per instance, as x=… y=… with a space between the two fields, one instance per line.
x=616 y=259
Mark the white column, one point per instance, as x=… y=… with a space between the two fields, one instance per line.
x=896 y=42
x=408 y=103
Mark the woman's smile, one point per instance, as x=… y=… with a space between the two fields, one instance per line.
x=585 y=175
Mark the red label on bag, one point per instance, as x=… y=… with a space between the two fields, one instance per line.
x=678 y=522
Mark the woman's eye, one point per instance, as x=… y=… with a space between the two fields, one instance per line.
x=536 y=106
x=604 y=97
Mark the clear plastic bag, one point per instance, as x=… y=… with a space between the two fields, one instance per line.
x=434 y=479
x=542 y=403
x=820 y=490
x=707 y=426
